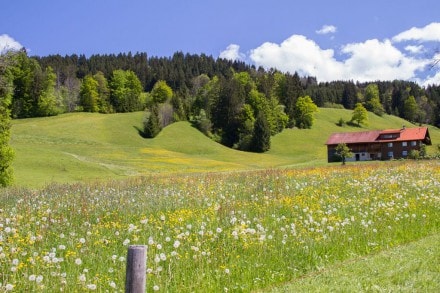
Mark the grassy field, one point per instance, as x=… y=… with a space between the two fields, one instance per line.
x=228 y=232
x=86 y=147
x=412 y=267
x=287 y=221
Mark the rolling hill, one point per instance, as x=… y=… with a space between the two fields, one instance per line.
x=84 y=146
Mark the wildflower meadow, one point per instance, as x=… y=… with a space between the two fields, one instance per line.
x=212 y=232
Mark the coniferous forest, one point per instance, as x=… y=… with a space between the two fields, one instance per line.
x=234 y=103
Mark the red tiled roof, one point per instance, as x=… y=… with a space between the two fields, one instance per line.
x=405 y=134
x=353 y=137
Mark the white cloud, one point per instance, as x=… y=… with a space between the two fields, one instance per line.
x=368 y=61
x=380 y=60
x=431 y=32
x=326 y=29
x=7 y=43
x=232 y=52
x=299 y=54
x=415 y=49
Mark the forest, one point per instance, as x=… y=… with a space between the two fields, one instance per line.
x=234 y=103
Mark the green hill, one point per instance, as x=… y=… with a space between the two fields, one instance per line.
x=84 y=146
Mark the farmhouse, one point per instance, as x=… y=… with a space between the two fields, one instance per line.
x=379 y=144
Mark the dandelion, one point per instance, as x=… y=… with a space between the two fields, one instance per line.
x=82 y=240
x=112 y=284
x=91 y=286
x=32 y=278
x=227 y=271
x=155 y=288
x=126 y=242
x=39 y=279
x=9 y=287
x=82 y=278
x=176 y=244
x=78 y=261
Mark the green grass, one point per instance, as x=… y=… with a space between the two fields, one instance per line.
x=230 y=231
x=85 y=147
x=413 y=267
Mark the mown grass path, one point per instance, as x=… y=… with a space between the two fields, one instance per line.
x=412 y=267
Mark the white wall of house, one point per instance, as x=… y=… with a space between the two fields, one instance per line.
x=359 y=157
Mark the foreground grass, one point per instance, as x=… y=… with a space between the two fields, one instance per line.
x=237 y=232
x=413 y=267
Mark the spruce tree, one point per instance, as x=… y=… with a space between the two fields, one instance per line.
x=261 y=137
x=152 y=124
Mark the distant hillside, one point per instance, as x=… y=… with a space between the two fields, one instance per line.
x=85 y=146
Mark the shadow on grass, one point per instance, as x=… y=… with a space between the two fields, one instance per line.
x=140 y=132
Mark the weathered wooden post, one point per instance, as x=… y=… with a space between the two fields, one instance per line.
x=135 y=276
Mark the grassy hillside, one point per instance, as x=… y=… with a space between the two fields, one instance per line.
x=84 y=146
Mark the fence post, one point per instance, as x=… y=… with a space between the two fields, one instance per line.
x=135 y=277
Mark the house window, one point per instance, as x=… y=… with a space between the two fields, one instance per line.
x=404 y=143
x=390 y=144
x=404 y=153
x=390 y=154
x=413 y=143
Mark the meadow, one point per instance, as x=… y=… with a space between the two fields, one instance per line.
x=213 y=232
x=85 y=147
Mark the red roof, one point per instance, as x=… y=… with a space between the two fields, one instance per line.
x=404 y=134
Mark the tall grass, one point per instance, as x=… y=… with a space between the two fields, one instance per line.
x=212 y=232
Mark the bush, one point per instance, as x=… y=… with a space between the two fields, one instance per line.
x=340 y=122
x=414 y=154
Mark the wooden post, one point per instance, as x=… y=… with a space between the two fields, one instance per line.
x=135 y=277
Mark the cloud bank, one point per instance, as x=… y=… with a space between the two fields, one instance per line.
x=369 y=60
x=7 y=43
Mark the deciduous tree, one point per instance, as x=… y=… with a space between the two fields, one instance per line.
x=360 y=114
x=410 y=109
x=372 y=99
x=6 y=152
x=305 y=109
x=161 y=92
x=125 y=91
x=89 y=94
x=344 y=152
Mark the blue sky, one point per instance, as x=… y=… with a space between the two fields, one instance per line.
x=332 y=40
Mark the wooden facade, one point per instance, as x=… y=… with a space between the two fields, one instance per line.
x=379 y=144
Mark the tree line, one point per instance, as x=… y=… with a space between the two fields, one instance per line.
x=234 y=103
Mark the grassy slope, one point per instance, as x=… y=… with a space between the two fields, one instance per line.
x=408 y=268
x=84 y=146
